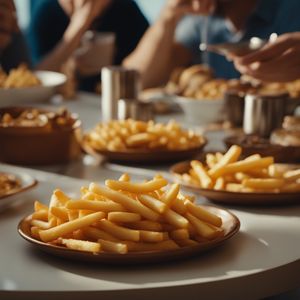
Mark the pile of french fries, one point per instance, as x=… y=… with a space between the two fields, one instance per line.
x=18 y=78
x=8 y=182
x=253 y=174
x=131 y=134
x=125 y=217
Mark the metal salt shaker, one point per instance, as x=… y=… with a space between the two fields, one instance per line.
x=135 y=109
x=117 y=83
x=264 y=113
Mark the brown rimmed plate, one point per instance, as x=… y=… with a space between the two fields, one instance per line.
x=236 y=198
x=281 y=154
x=231 y=225
x=144 y=155
x=27 y=182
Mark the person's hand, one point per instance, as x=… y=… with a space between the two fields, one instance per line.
x=84 y=11
x=8 y=22
x=278 y=61
x=176 y=9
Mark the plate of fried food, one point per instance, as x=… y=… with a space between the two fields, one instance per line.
x=36 y=136
x=22 y=85
x=283 y=144
x=227 y=179
x=127 y=222
x=200 y=94
x=143 y=142
x=12 y=184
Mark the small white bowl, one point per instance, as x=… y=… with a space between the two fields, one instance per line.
x=201 y=112
x=16 y=96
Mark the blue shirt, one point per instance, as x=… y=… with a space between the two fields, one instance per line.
x=270 y=16
x=15 y=53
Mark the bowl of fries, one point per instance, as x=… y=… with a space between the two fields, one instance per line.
x=127 y=222
x=254 y=180
x=22 y=85
x=137 y=141
x=31 y=136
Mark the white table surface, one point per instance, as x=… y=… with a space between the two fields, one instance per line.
x=262 y=260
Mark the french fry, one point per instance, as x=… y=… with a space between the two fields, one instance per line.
x=127 y=202
x=146 y=225
x=203 y=214
x=104 y=206
x=80 y=245
x=180 y=234
x=35 y=232
x=151 y=236
x=245 y=165
x=152 y=203
x=145 y=187
x=124 y=177
x=292 y=175
x=230 y=156
x=60 y=212
x=262 y=184
x=202 y=228
x=95 y=234
x=119 y=232
x=39 y=206
x=203 y=177
x=63 y=229
x=114 y=247
x=42 y=224
x=61 y=197
x=41 y=215
x=139 y=139
x=291 y=188
x=187 y=243
x=178 y=205
x=169 y=197
x=219 y=184
x=175 y=219
x=123 y=217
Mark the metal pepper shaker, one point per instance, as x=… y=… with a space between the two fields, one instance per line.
x=117 y=83
x=264 y=113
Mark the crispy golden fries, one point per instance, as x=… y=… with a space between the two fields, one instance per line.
x=19 y=78
x=249 y=175
x=124 y=217
x=131 y=134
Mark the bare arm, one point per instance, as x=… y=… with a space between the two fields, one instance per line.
x=157 y=54
x=81 y=16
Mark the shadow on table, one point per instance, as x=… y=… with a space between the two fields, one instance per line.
x=236 y=256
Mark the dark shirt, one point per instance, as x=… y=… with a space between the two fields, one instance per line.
x=15 y=53
x=49 y=22
x=270 y=16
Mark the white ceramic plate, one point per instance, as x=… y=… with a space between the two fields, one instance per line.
x=50 y=82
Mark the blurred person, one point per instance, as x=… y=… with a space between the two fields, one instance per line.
x=278 y=61
x=174 y=39
x=57 y=29
x=13 y=49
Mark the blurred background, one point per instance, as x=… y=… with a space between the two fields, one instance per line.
x=149 y=8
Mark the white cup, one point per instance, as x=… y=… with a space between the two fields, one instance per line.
x=96 y=51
